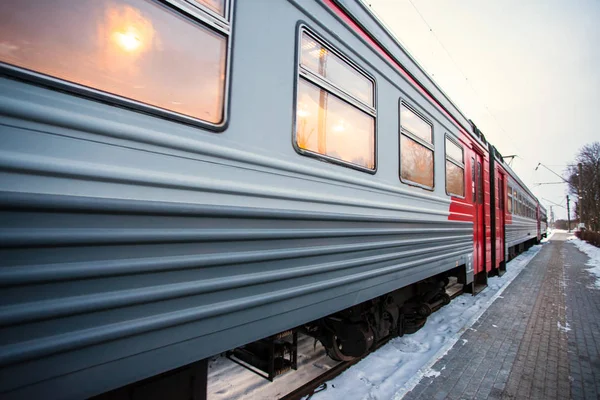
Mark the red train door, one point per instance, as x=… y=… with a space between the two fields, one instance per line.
x=500 y=223
x=479 y=223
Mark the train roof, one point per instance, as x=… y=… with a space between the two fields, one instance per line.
x=364 y=17
x=515 y=177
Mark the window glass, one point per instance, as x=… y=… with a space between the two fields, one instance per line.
x=473 y=198
x=323 y=62
x=510 y=203
x=136 y=49
x=520 y=205
x=500 y=192
x=414 y=124
x=416 y=162
x=217 y=6
x=454 y=151
x=327 y=125
x=479 y=183
x=455 y=172
x=455 y=179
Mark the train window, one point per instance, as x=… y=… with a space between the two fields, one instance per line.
x=416 y=148
x=520 y=205
x=415 y=124
x=455 y=169
x=473 y=197
x=479 y=183
x=510 y=199
x=499 y=191
x=217 y=6
x=335 y=114
x=129 y=48
x=319 y=60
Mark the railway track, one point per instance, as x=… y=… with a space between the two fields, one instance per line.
x=310 y=388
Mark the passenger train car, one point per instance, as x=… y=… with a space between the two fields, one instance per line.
x=180 y=178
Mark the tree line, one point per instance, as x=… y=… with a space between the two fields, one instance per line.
x=585 y=189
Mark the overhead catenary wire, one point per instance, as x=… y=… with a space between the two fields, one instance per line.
x=475 y=92
x=479 y=97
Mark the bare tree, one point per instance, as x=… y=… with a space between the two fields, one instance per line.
x=588 y=203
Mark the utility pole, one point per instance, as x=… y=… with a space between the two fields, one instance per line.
x=580 y=193
x=568 y=216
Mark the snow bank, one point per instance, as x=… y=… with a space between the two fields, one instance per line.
x=551 y=233
x=593 y=253
x=396 y=368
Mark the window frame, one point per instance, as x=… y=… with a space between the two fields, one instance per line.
x=336 y=91
x=455 y=162
x=520 y=203
x=509 y=199
x=196 y=13
x=418 y=140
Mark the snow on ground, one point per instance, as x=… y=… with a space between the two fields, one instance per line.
x=565 y=328
x=396 y=368
x=229 y=381
x=551 y=233
x=593 y=253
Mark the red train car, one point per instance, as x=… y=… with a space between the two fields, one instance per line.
x=507 y=218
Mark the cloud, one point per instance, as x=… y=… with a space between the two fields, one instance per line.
x=7 y=48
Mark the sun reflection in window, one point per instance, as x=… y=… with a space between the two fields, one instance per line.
x=125 y=30
x=332 y=127
x=128 y=41
x=136 y=49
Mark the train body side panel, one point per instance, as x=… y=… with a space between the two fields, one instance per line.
x=132 y=244
x=488 y=213
x=520 y=230
x=500 y=216
x=498 y=213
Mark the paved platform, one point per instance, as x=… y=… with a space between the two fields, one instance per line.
x=539 y=340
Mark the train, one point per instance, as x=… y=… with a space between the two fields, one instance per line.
x=182 y=178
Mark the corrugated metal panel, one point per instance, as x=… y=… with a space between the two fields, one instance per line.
x=520 y=230
x=79 y=275
x=149 y=244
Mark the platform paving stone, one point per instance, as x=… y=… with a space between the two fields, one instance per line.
x=539 y=340
x=583 y=316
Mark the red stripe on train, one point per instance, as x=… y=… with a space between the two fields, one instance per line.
x=357 y=28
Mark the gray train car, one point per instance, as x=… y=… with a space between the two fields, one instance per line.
x=543 y=220
x=178 y=178
x=522 y=223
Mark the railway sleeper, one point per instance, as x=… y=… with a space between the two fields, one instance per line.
x=269 y=357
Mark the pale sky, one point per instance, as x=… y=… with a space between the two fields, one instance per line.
x=532 y=71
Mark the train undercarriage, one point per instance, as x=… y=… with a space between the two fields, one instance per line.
x=347 y=335
x=350 y=334
x=354 y=332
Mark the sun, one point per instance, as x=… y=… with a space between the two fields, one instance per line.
x=128 y=41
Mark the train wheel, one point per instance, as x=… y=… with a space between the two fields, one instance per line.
x=412 y=326
x=335 y=351
x=446 y=298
